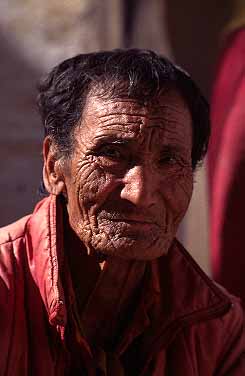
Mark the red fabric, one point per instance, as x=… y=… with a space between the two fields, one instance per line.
x=226 y=165
x=181 y=324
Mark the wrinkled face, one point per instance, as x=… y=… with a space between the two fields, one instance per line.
x=129 y=181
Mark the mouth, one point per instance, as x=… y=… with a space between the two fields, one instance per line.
x=132 y=225
x=137 y=224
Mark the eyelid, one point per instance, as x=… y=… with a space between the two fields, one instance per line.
x=111 y=150
x=109 y=147
x=168 y=159
x=169 y=153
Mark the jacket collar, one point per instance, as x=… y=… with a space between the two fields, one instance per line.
x=175 y=292
x=45 y=254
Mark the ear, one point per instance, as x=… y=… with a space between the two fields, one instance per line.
x=52 y=172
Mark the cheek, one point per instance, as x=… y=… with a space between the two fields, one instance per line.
x=178 y=193
x=94 y=186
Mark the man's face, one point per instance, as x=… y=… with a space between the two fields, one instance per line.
x=129 y=181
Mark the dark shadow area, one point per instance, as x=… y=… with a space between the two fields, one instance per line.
x=20 y=140
x=195 y=29
x=232 y=262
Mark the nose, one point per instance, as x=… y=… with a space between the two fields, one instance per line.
x=139 y=187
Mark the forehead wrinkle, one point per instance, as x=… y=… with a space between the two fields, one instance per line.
x=122 y=130
x=167 y=134
x=110 y=108
x=161 y=125
x=170 y=129
x=122 y=120
x=171 y=119
x=119 y=134
x=117 y=127
x=123 y=113
x=173 y=108
x=171 y=137
x=174 y=136
x=105 y=117
x=165 y=129
x=175 y=141
x=111 y=124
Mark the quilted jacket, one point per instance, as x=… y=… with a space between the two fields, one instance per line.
x=182 y=323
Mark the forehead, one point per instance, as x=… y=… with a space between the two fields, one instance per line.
x=166 y=115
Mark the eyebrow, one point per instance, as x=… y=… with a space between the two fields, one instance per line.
x=103 y=140
x=112 y=139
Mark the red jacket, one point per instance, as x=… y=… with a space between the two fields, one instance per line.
x=182 y=324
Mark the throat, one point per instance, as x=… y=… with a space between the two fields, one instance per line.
x=115 y=292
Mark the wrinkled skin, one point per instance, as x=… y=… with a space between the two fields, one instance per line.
x=129 y=180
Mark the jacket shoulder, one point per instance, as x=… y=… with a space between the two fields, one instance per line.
x=12 y=239
x=12 y=291
x=13 y=231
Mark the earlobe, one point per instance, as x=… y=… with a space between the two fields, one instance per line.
x=52 y=174
x=53 y=183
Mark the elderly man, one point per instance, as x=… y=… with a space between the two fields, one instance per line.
x=94 y=281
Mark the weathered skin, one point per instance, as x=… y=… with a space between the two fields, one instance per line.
x=129 y=180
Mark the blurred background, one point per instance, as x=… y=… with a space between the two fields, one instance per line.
x=35 y=35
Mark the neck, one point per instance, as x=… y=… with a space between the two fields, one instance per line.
x=116 y=288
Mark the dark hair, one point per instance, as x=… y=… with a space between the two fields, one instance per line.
x=133 y=73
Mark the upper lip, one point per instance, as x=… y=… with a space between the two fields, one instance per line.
x=136 y=220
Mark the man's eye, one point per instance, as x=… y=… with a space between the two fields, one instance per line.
x=110 y=151
x=168 y=160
